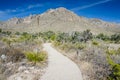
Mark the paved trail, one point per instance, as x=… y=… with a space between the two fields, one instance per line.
x=59 y=66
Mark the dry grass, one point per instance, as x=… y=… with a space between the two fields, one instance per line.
x=12 y=54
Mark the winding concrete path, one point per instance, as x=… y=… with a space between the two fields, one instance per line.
x=59 y=66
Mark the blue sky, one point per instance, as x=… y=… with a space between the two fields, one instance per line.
x=108 y=10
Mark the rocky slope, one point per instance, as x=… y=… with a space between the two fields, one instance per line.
x=59 y=19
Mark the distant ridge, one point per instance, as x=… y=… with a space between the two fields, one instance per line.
x=59 y=19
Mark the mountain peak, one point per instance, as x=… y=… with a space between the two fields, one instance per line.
x=60 y=19
x=61 y=9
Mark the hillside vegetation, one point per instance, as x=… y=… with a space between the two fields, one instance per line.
x=100 y=52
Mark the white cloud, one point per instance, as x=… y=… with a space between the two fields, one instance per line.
x=90 y=5
x=9 y=11
x=21 y=9
x=34 y=6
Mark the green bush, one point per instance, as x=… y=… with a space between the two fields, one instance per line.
x=36 y=57
x=95 y=43
x=116 y=37
x=17 y=33
x=115 y=70
x=103 y=37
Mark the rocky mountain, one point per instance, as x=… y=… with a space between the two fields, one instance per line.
x=59 y=19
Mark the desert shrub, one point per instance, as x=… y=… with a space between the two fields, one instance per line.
x=111 y=51
x=12 y=54
x=60 y=37
x=115 y=37
x=64 y=46
x=99 y=67
x=7 y=41
x=115 y=70
x=95 y=43
x=36 y=41
x=6 y=32
x=25 y=37
x=36 y=57
x=56 y=43
x=103 y=37
x=79 y=37
x=33 y=36
x=87 y=35
x=17 y=33
x=67 y=46
x=79 y=46
x=53 y=37
x=49 y=35
x=76 y=37
x=115 y=75
x=16 y=55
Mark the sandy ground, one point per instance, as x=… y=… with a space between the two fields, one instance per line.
x=59 y=66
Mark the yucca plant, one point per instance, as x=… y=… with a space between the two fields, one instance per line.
x=36 y=57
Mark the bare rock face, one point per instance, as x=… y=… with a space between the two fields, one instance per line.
x=59 y=19
x=14 y=21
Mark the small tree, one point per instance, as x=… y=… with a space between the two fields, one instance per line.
x=87 y=35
